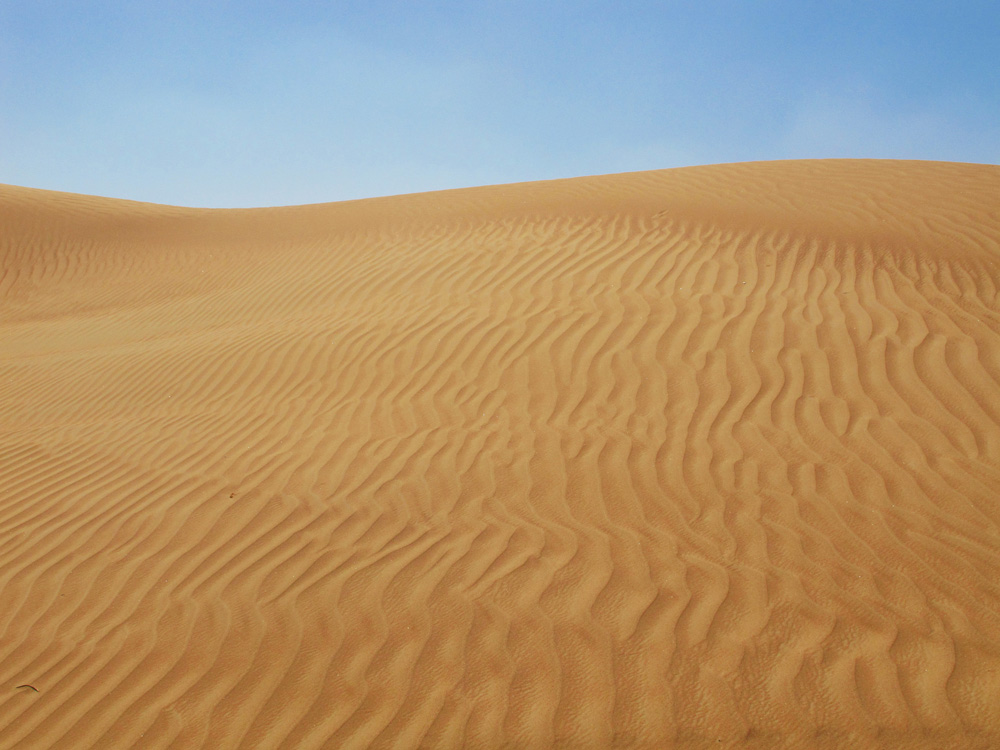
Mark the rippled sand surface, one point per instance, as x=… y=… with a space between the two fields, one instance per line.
x=696 y=458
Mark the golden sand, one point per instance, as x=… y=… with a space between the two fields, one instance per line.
x=705 y=457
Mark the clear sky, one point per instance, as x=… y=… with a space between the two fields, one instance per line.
x=268 y=102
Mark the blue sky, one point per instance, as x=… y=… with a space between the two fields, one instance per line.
x=259 y=102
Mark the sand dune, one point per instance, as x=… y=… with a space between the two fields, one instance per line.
x=705 y=457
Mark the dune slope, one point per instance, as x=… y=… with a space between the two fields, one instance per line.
x=705 y=457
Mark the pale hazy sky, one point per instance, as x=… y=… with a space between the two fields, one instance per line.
x=268 y=102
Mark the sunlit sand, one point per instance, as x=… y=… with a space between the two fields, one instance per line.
x=694 y=458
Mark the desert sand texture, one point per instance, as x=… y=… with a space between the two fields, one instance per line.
x=695 y=458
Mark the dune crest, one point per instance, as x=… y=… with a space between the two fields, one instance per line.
x=705 y=457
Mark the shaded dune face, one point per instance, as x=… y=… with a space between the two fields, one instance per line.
x=696 y=458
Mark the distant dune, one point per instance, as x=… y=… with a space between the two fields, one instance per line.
x=694 y=458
